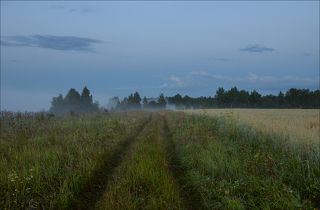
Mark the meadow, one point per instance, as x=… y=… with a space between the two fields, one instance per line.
x=208 y=159
x=299 y=124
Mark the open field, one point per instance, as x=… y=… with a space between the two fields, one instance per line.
x=299 y=124
x=52 y=162
x=159 y=160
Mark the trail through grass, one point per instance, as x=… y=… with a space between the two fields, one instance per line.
x=170 y=161
x=189 y=193
x=143 y=181
x=94 y=187
x=50 y=162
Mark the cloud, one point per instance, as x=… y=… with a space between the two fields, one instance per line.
x=57 y=7
x=11 y=44
x=177 y=80
x=307 y=54
x=209 y=76
x=62 y=43
x=254 y=78
x=271 y=80
x=222 y=59
x=72 y=9
x=205 y=80
x=164 y=85
x=255 y=48
x=86 y=10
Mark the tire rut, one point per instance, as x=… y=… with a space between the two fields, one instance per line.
x=190 y=196
x=95 y=186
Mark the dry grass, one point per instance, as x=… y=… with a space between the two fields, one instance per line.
x=233 y=166
x=298 y=124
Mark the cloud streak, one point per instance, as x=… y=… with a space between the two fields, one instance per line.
x=72 y=9
x=209 y=76
x=223 y=59
x=256 y=48
x=202 y=79
x=62 y=43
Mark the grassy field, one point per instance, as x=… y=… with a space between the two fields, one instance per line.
x=221 y=159
x=143 y=181
x=51 y=162
x=234 y=166
x=299 y=124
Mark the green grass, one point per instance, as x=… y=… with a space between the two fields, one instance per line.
x=46 y=162
x=235 y=167
x=172 y=161
x=143 y=181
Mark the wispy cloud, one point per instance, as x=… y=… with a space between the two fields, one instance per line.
x=11 y=44
x=267 y=79
x=62 y=43
x=203 y=79
x=57 y=7
x=254 y=78
x=307 y=54
x=222 y=59
x=82 y=10
x=177 y=81
x=207 y=75
x=256 y=48
x=72 y=9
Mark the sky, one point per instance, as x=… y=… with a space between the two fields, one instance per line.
x=186 y=47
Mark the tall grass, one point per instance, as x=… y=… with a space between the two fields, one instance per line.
x=46 y=161
x=216 y=162
x=298 y=124
x=236 y=167
x=143 y=180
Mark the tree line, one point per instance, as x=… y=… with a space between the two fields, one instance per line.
x=134 y=101
x=232 y=98
x=74 y=102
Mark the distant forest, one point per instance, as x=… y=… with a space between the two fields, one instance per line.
x=233 y=98
x=74 y=102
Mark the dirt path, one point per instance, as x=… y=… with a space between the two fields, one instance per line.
x=190 y=196
x=94 y=187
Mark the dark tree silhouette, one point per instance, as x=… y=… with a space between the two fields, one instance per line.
x=162 y=101
x=74 y=102
x=86 y=98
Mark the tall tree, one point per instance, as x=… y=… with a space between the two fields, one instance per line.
x=136 y=98
x=57 y=104
x=86 y=98
x=220 y=95
x=254 y=98
x=145 y=102
x=162 y=101
x=72 y=98
x=74 y=102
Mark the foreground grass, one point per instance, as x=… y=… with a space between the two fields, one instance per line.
x=178 y=161
x=47 y=162
x=143 y=181
x=233 y=166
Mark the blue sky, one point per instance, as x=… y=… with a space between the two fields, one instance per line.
x=184 y=47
